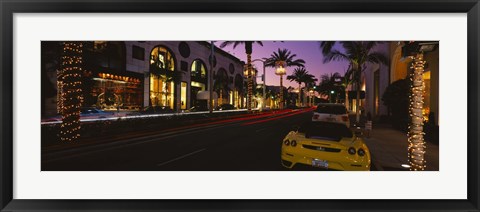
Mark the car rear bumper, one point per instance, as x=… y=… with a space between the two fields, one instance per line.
x=296 y=160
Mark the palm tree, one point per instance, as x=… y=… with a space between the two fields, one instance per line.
x=309 y=81
x=221 y=84
x=248 y=51
x=283 y=55
x=298 y=76
x=70 y=76
x=346 y=81
x=328 y=84
x=358 y=54
x=417 y=145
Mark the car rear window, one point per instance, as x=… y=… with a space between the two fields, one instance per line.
x=329 y=130
x=331 y=109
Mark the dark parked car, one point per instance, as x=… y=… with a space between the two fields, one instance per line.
x=226 y=107
x=93 y=113
x=198 y=108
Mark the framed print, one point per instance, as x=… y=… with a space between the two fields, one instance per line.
x=266 y=105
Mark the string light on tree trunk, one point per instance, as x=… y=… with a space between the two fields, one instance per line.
x=417 y=146
x=71 y=95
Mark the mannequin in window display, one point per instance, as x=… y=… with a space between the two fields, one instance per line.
x=161 y=61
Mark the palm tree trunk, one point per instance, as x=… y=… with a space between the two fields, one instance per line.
x=299 y=92
x=71 y=90
x=249 y=82
x=281 y=91
x=305 y=93
x=357 y=103
x=347 y=104
x=417 y=146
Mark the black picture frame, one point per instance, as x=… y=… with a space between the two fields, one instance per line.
x=9 y=7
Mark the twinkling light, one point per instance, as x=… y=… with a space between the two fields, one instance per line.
x=417 y=145
x=71 y=91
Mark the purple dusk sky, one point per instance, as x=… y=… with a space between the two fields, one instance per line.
x=306 y=50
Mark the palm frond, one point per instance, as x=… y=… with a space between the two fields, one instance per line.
x=326 y=46
x=377 y=57
x=335 y=55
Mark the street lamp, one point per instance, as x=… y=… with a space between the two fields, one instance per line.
x=280 y=70
x=331 y=93
x=263 y=79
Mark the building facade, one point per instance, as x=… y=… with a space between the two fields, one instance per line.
x=131 y=75
x=377 y=77
x=400 y=69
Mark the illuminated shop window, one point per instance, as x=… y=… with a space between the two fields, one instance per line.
x=161 y=59
x=116 y=92
x=162 y=85
x=198 y=76
x=426 y=95
x=198 y=69
x=183 y=96
x=161 y=91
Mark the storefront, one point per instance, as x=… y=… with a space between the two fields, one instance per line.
x=162 y=81
x=198 y=82
x=111 y=91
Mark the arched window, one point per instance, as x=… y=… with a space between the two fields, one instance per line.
x=198 y=71
x=161 y=60
x=198 y=82
x=162 y=85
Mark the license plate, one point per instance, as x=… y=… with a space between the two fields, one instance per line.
x=320 y=163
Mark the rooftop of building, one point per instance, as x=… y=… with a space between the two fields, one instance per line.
x=221 y=51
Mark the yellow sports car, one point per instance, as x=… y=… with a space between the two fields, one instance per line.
x=325 y=145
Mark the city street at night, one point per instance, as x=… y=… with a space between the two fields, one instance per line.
x=240 y=106
x=252 y=144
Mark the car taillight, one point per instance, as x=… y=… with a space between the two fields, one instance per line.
x=293 y=143
x=351 y=151
x=345 y=118
x=315 y=116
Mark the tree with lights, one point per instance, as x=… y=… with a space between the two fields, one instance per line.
x=417 y=145
x=248 y=51
x=71 y=90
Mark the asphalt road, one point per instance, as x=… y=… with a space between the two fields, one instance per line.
x=243 y=145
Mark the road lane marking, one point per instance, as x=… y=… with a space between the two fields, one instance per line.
x=113 y=146
x=175 y=131
x=260 y=130
x=181 y=157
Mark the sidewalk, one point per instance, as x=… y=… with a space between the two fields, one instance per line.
x=389 y=149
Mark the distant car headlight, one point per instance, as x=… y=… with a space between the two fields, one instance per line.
x=361 y=152
x=351 y=151
x=293 y=143
x=286 y=142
